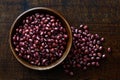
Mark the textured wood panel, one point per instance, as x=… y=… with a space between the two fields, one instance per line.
x=102 y=16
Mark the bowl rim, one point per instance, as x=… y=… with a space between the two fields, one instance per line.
x=59 y=60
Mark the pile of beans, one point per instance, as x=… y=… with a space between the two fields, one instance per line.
x=41 y=39
x=87 y=50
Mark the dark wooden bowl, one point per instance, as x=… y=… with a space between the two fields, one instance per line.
x=18 y=21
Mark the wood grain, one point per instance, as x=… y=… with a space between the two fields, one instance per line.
x=102 y=17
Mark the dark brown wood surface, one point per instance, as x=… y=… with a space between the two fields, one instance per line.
x=102 y=17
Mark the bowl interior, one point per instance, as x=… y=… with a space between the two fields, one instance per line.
x=42 y=10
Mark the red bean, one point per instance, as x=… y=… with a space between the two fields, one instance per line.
x=16 y=49
x=87 y=50
x=103 y=56
x=102 y=39
x=109 y=49
x=41 y=39
x=37 y=38
x=71 y=73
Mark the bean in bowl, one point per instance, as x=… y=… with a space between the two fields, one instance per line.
x=40 y=38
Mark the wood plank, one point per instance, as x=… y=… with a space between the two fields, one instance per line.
x=102 y=17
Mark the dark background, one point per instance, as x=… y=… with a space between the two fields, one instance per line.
x=102 y=17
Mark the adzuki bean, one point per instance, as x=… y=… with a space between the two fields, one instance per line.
x=41 y=39
x=87 y=50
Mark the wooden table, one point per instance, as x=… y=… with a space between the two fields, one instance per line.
x=102 y=17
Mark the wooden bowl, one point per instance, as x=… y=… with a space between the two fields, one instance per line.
x=18 y=21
